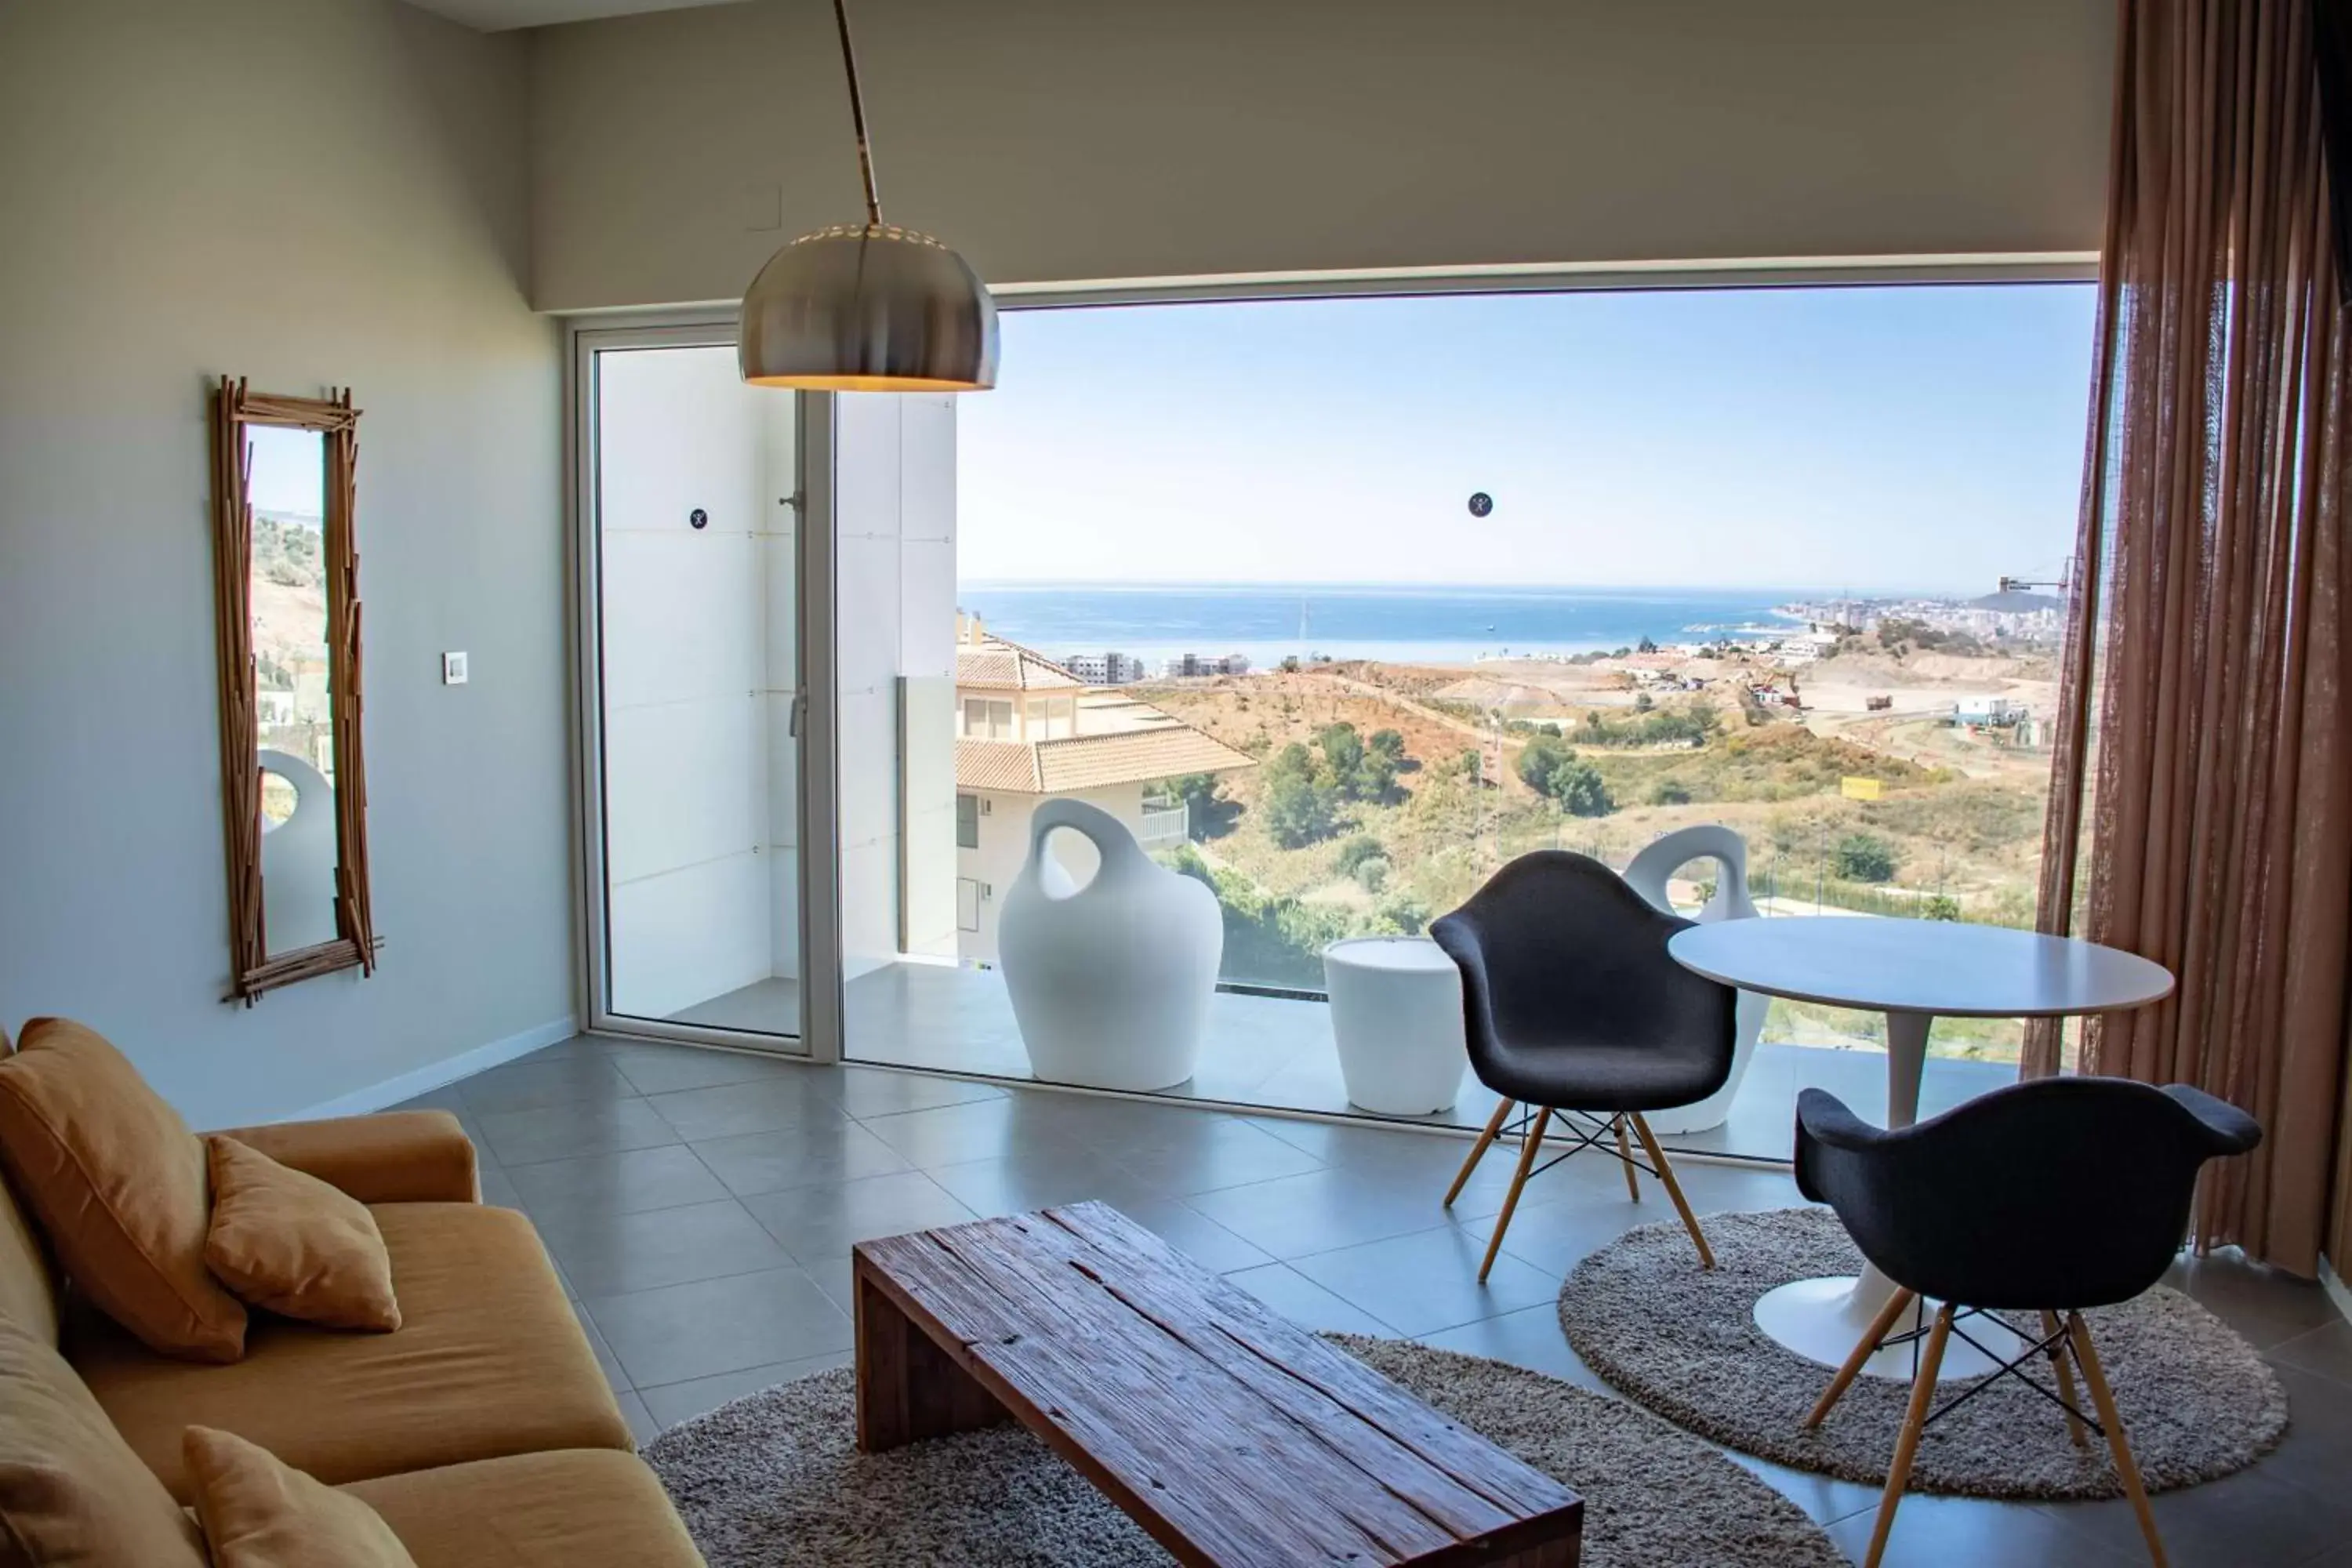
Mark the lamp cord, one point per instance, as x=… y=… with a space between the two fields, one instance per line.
x=858 y=114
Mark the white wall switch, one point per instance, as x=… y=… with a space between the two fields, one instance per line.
x=453 y=670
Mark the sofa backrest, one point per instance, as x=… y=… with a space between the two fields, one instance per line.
x=28 y=1281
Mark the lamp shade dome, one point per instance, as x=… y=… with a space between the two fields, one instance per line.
x=869 y=308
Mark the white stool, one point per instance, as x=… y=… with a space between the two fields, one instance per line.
x=1396 y=1012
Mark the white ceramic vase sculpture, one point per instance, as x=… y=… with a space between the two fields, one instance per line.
x=1110 y=981
x=1648 y=874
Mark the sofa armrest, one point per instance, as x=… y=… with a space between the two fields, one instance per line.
x=393 y=1157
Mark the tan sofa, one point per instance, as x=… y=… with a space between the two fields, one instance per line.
x=482 y=1429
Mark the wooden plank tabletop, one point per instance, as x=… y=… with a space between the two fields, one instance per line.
x=1231 y=1435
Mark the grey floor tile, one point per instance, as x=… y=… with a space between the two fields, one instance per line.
x=2326 y=1349
x=1194 y=1234
x=612 y=1254
x=531 y=1083
x=1041 y=1175
x=824 y=1222
x=957 y=1134
x=672 y=1402
x=1216 y=1151
x=566 y=1132
x=1306 y=1303
x=2267 y=1305
x=2253 y=1516
x=875 y=1091
x=642 y=1425
x=1531 y=1337
x=839 y=1150
x=2316 y=1453
x=1554 y=1233
x=498 y=1188
x=1294 y=1215
x=1961 y=1532
x=602 y=1185
x=712 y=1326
x=666 y=1069
x=1428 y=1281
x=762 y=1105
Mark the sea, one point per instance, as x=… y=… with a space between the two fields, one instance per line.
x=1401 y=625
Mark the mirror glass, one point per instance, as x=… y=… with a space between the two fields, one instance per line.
x=292 y=692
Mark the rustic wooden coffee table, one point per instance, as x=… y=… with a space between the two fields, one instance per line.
x=1236 y=1438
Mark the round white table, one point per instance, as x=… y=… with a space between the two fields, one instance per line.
x=1914 y=971
x=1396 y=1014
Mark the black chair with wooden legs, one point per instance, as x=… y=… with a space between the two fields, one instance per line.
x=1576 y=1016
x=2048 y=1198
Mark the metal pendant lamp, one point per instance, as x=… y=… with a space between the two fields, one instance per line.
x=868 y=307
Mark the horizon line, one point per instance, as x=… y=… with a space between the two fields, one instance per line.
x=1302 y=585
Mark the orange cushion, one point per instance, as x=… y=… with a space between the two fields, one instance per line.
x=71 y=1491
x=257 y=1513
x=117 y=1181
x=292 y=1244
x=490 y=1360
x=578 y=1507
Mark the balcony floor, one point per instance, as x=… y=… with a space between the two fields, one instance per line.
x=1279 y=1055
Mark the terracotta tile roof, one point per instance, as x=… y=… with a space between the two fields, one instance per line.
x=1089 y=762
x=996 y=665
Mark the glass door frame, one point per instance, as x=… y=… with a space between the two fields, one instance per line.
x=817 y=826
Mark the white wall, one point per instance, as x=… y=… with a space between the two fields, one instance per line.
x=303 y=192
x=1081 y=139
x=894 y=605
x=697 y=655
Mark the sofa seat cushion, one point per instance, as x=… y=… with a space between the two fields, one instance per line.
x=575 y=1509
x=489 y=1360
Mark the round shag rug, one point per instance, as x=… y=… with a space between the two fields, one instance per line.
x=775 y=1480
x=2197 y=1401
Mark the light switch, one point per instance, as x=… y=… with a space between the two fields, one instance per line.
x=453 y=670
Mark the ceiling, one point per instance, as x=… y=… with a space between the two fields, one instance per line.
x=498 y=15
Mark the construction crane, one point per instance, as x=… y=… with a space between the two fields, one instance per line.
x=2026 y=586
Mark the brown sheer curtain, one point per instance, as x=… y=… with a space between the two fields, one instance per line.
x=2210 y=636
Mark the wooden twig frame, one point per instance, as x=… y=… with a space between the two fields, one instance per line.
x=253 y=968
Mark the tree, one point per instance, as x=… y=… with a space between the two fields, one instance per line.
x=1540 y=762
x=1581 y=790
x=1669 y=792
x=1207 y=814
x=1941 y=907
x=1298 y=813
x=1648 y=647
x=1864 y=858
x=1343 y=749
x=1363 y=846
x=1388 y=743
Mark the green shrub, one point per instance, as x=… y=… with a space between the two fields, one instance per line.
x=1864 y=858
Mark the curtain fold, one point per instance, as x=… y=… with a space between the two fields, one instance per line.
x=2201 y=792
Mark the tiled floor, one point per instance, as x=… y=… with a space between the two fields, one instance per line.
x=1268 y=1051
x=702 y=1204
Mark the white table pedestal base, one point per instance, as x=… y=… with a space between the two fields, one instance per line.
x=1821 y=1320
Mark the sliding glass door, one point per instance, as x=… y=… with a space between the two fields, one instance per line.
x=690 y=577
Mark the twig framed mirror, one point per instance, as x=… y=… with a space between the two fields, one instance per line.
x=287 y=611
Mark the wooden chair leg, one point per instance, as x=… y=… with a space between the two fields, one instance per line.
x=2102 y=1400
x=1625 y=1158
x=1674 y=1188
x=1906 y=1447
x=1478 y=1150
x=1880 y=1326
x=1527 y=1148
x=2058 y=1362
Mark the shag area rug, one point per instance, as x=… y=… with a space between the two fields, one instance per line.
x=2197 y=1402
x=775 y=1480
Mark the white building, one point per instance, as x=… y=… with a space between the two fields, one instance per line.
x=1105 y=668
x=1184 y=666
x=1027 y=729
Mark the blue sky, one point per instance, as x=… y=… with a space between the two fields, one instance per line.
x=1878 y=439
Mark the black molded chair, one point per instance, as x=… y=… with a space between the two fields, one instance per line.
x=1573 y=1010
x=2047 y=1197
